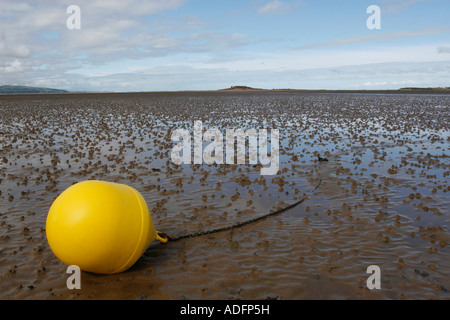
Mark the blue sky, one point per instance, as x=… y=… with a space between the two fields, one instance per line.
x=136 y=45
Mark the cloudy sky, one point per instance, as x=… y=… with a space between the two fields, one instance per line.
x=154 y=45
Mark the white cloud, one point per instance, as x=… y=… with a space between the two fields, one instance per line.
x=380 y=37
x=443 y=49
x=278 y=7
x=398 y=5
x=11 y=67
x=16 y=51
x=129 y=7
x=6 y=7
x=20 y=51
x=110 y=30
x=318 y=58
x=271 y=7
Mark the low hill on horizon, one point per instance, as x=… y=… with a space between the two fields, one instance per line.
x=8 y=89
x=241 y=88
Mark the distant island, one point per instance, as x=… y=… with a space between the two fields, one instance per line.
x=25 y=89
x=426 y=89
x=242 y=88
x=445 y=90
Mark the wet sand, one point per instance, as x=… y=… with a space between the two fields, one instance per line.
x=383 y=199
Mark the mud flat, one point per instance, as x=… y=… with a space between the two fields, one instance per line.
x=383 y=200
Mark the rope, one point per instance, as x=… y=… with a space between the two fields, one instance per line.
x=238 y=225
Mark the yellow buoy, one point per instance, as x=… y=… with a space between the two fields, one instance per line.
x=101 y=227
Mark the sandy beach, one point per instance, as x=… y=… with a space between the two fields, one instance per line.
x=383 y=199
